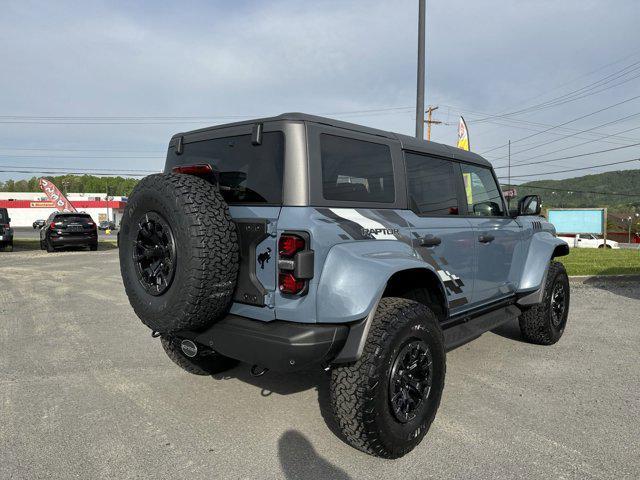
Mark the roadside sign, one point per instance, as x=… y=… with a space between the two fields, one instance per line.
x=579 y=220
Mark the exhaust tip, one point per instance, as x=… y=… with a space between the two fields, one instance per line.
x=189 y=348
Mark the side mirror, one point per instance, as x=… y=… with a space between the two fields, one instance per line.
x=530 y=205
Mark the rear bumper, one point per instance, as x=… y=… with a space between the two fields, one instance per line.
x=277 y=345
x=69 y=241
x=6 y=238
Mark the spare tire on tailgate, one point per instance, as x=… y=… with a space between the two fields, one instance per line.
x=179 y=254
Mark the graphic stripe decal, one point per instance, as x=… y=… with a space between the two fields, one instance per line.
x=353 y=215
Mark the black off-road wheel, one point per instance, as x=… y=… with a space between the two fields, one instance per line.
x=544 y=324
x=385 y=402
x=49 y=246
x=206 y=362
x=178 y=251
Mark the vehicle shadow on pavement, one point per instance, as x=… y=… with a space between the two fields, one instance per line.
x=510 y=330
x=290 y=383
x=299 y=459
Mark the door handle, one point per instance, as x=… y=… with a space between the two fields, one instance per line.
x=486 y=238
x=430 y=241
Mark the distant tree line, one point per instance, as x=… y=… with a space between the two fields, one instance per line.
x=75 y=184
x=598 y=190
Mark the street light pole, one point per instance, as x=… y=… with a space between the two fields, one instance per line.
x=420 y=86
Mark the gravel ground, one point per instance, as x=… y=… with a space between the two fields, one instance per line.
x=85 y=392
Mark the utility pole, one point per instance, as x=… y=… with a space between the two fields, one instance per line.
x=430 y=122
x=107 y=199
x=509 y=174
x=420 y=86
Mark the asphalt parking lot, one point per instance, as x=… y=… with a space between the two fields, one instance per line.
x=85 y=392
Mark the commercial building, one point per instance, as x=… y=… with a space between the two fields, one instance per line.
x=27 y=207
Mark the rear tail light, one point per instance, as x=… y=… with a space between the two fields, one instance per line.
x=201 y=169
x=290 y=284
x=52 y=226
x=295 y=263
x=289 y=245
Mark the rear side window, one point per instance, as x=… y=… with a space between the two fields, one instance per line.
x=247 y=173
x=482 y=192
x=432 y=185
x=3 y=215
x=356 y=170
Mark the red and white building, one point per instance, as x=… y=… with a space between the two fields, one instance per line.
x=27 y=207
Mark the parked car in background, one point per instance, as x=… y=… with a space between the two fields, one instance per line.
x=107 y=225
x=39 y=224
x=64 y=229
x=588 y=240
x=6 y=232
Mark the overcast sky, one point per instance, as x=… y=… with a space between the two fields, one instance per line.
x=222 y=60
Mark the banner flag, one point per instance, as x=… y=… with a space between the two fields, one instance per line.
x=463 y=135
x=55 y=195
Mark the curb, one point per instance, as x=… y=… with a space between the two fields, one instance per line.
x=632 y=278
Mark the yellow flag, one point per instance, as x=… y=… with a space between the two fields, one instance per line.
x=463 y=135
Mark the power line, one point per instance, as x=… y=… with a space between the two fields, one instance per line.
x=123 y=157
x=517 y=123
x=158 y=120
x=567 y=122
x=544 y=144
x=566 y=158
x=525 y=160
x=74 y=173
x=80 y=168
x=577 y=169
x=579 y=77
x=54 y=149
x=583 y=92
x=524 y=185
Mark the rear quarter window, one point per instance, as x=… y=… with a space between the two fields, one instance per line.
x=356 y=170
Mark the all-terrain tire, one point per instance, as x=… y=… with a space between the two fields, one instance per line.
x=537 y=323
x=49 y=246
x=207 y=363
x=205 y=267
x=359 y=392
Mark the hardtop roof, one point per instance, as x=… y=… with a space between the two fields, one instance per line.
x=407 y=142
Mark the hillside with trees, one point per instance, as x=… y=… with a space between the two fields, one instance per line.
x=597 y=190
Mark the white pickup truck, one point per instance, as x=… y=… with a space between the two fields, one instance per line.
x=588 y=240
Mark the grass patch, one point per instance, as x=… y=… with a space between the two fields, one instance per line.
x=24 y=244
x=594 y=261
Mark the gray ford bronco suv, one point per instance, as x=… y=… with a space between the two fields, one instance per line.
x=298 y=241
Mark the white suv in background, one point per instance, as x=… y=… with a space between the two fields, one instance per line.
x=588 y=240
